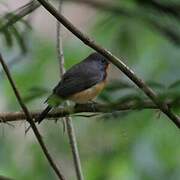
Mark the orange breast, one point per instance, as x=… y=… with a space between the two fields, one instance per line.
x=88 y=94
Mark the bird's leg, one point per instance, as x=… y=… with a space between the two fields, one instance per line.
x=93 y=105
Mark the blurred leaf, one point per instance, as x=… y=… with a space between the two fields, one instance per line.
x=175 y=85
x=8 y=38
x=119 y=85
x=171 y=8
x=34 y=93
x=130 y=97
x=154 y=84
x=19 y=38
x=13 y=31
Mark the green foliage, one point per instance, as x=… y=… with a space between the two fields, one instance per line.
x=34 y=93
x=136 y=144
x=12 y=32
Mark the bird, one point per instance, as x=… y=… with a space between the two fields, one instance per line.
x=80 y=84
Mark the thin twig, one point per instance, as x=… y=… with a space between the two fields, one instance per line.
x=113 y=59
x=74 y=148
x=68 y=120
x=30 y=120
x=60 y=54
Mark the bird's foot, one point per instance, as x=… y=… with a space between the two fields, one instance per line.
x=90 y=104
x=93 y=105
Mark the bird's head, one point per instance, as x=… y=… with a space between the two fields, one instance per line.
x=99 y=59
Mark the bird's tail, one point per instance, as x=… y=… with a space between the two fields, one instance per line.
x=43 y=114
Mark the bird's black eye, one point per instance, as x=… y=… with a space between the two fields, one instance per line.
x=104 y=61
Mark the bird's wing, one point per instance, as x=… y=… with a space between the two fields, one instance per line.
x=78 y=79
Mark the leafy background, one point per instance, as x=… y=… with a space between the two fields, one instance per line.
x=142 y=144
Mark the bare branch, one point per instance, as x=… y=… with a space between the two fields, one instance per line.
x=30 y=120
x=74 y=148
x=73 y=110
x=60 y=54
x=68 y=120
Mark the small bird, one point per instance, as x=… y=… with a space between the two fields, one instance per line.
x=81 y=83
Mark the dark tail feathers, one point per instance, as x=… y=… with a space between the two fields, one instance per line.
x=43 y=114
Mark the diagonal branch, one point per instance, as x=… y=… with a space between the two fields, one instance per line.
x=115 y=60
x=30 y=120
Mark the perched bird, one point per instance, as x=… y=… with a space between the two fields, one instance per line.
x=81 y=83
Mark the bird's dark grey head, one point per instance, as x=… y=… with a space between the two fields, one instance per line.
x=98 y=58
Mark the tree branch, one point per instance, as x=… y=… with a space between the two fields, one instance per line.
x=60 y=54
x=30 y=120
x=68 y=120
x=87 y=108
x=113 y=59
